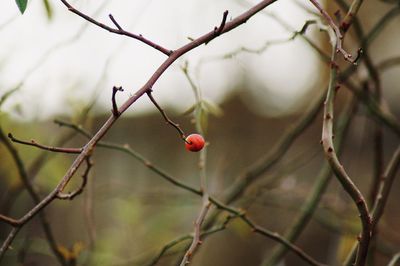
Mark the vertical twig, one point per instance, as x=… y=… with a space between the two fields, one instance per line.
x=331 y=156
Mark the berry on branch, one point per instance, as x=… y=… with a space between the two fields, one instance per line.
x=194 y=142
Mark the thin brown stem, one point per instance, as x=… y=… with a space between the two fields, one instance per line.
x=114 y=110
x=79 y=190
x=44 y=147
x=331 y=156
x=166 y=118
x=339 y=36
x=118 y=30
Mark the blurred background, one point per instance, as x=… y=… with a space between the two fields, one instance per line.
x=255 y=83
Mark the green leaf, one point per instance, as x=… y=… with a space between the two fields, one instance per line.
x=48 y=8
x=21 y=5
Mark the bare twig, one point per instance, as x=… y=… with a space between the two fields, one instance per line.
x=219 y=29
x=79 y=190
x=331 y=156
x=339 y=36
x=114 y=103
x=119 y=30
x=35 y=198
x=351 y=14
x=164 y=114
x=197 y=232
x=44 y=147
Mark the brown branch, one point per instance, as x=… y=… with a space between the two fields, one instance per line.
x=9 y=220
x=385 y=187
x=164 y=114
x=44 y=147
x=197 y=232
x=79 y=190
x=348 y=19
x=17 y=224
x=114 y=110
x=119 y=30
x=89 y=147
x=219 y=29
x=339 y=36
x=331 y=156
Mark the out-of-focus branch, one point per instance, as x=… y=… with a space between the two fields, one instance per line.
x=35 y=198
x=44 y=147
x=394 y=260
x=351 y=14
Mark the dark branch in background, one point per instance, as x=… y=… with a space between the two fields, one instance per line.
x=89 y=147
x=79 y=190
x=169 y=121
x=114 y=103
x=35 y=197
x=351 y=14
x=385 y=187
x=43 y=147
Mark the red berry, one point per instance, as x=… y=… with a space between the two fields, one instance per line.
x=194 y=142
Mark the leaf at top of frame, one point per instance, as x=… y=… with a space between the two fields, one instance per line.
x=22 y=5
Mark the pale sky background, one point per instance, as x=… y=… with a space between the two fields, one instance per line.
x=63 y=62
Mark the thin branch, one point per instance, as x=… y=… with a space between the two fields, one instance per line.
x=9 y=220
x=219 y=29
x=179 y=240
x=388 y=63
x=197 y=232
x=17 y=224
x=385 y=186
x=351 y=14
x=114 y=110
x=339 y=36
x=169 y=121
x=119 y=30
x=79 y=190
x=44 y=147
x=331 y=156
